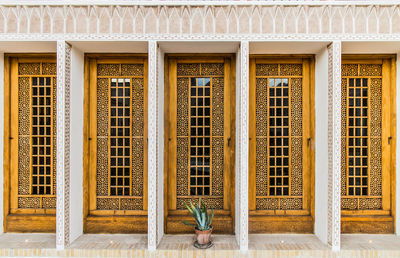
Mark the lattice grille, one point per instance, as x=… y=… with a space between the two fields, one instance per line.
x=36 y=135
x=200 y=132
x=362 y=137
x=120 y=141
x=200 y=140
x=279 y=123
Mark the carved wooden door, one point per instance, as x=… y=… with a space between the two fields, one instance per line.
x=280 y=168
x=32 y=143
x=199 y=139
x=368 y=125
x=116 y=144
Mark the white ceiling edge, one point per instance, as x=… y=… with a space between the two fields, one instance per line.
x=198 y=47
x=287 y=47
x=196 y=2
x=28 y=46
x=111 y=46
x=370 y=47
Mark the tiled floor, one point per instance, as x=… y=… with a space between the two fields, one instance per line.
x=32 y=241
x=110 y=241
x=185 y=242
x=370 y=242
x=285 y=242
x=273 y=245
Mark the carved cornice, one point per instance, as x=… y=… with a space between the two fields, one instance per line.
x=222 y=22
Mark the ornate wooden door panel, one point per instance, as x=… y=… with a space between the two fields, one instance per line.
x=200 y=145
x=32 y=143
x=367 y=120
x=280 y=145
x=117 y=145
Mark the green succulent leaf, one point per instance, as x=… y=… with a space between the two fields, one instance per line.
x=188 y=223
x=201 y=215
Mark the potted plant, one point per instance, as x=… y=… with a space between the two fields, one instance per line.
x=203 y=225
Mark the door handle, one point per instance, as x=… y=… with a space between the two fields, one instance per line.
x=389 y=139
x=229 y=141
x=308 y=141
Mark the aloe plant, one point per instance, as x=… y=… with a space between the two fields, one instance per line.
x=200 y=214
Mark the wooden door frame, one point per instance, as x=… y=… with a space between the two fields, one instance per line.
x=379 y=221
x=16 y=222
x=279 y=221
x=222 y=217
x=108 y=222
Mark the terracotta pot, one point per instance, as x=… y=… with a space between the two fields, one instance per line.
x=203 y=236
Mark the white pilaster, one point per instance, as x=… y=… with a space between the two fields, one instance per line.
x=76 y=144
x=242 y=146
x=152 y=146
x=160 y=144
x=63 y=144
x=334 y=143
x=321 y=145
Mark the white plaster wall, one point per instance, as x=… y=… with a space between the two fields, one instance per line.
x=397 y=219
x=321 y=146
x=76 y=151
x=160 y=145
x=1 y=141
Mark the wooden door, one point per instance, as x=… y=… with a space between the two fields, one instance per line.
x=116 y=144
x=280 y=148
x=368 y=131
x=199 y=104
x=30 y=145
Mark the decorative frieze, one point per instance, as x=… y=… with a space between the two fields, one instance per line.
x=206 y=19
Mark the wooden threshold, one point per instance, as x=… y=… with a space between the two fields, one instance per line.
x=281 y=224
x=115 y=224
x=221 y=225
x=24 y=223
x=367 y=224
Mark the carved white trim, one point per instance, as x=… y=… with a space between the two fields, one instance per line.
x=194 y=2
x=152 y=146
x=243 y=123
x=160 y=144
x=63 y=144
x=185 y=21
x=334 y=143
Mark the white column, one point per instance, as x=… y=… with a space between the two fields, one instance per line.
x=76 y=144
x=63 y=144
x=160 y=145
x=334 y=143
x=321 y=145
x=242 y=146
x=152 y=146
x=397 y=199
x=1 y=142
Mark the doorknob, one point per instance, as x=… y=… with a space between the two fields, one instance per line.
x=389 y=139
x=308 y=141
x=229 y=141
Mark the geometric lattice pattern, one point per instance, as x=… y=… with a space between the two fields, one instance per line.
x=279 y=134
x=37 y=135
x=200 y=140
x=361 y=137
x=120 y=136
x=200 y=133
